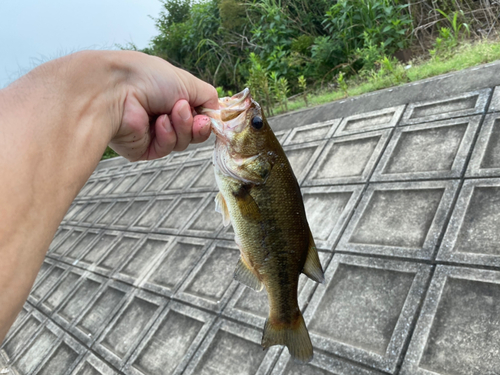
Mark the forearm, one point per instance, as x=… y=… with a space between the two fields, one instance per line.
x=55 y=123
x=54 y=126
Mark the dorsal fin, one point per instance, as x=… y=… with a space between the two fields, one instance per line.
x=312 y=267
x=221 y=207
x=247 y=276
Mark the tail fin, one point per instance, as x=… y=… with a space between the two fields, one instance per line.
x=294 y=336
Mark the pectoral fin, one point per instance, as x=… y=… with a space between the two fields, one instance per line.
x=312 y=268
x=221 y=207
x=246 y=204
x=247 y=276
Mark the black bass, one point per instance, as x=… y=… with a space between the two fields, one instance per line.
x=260 y=196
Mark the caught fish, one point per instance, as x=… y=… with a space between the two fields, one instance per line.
x=260 y=196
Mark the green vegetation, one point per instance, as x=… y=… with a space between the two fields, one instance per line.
x=278 y=46
x=283 y=48
x=296 y=53
x=109 y=153
x=464 y=56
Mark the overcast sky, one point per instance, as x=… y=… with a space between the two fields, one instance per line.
x=34 y=31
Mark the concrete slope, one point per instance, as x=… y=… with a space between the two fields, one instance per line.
x=402 y=191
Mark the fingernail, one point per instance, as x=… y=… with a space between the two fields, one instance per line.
x=185 y=111
x=206 y=127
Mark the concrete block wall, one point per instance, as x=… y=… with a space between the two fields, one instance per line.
x=404 y=204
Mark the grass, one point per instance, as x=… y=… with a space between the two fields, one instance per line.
x=464 y=56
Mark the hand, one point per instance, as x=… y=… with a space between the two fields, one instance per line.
x=55 y=123
x=158 y=114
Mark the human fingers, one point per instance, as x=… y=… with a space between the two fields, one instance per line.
x=158 y=85
x=164 y=140
x=134 y=137
x=182 y=121
x=199 y=92
x=201 y=129
x=188 y=129
x=156 y=89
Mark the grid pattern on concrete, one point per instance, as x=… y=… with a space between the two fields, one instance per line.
x=403 y=203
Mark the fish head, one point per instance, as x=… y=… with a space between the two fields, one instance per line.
x=245 y=141
x=240 y=124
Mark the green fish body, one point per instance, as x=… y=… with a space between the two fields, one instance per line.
x=260 y=196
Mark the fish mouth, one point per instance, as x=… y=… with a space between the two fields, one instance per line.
x=235 y=101
x=231 y=115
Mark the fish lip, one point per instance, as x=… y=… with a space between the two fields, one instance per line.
x=238 y=98
x=217 y=128
x=230 y=108
x=236 y=109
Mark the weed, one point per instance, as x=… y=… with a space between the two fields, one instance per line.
x=392 y=73
x=390 y=66
x=258 y=83
x=456 y=26
x=449 y=38
x=342 y=83
x=280 y=90
x=303 y=88
x=370 y=53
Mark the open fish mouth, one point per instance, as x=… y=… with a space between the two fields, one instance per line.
x=235 y=102
x=231 y=115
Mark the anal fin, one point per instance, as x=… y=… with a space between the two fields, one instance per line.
x=247 y=276
x=221 y=207
x=312 y=267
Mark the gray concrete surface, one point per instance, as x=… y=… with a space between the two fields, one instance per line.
x=402 y=192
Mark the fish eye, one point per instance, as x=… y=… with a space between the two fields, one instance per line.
x=257 y=122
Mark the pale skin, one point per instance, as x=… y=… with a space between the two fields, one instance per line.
x=55 y=123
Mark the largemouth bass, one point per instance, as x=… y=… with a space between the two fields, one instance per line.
x=260 y=196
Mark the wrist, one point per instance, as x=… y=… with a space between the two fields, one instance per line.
x=98 y=81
